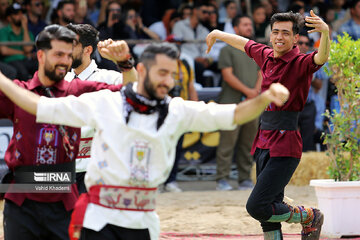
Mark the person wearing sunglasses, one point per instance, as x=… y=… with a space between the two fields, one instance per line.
x=34 y=11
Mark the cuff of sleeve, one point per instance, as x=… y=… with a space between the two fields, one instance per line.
x=45 y=110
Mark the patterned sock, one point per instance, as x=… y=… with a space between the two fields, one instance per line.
x=297 y=214
x=273 y=235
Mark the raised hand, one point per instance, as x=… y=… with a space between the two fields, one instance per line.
x=317 y=23
x=116 y=51
x=211 y=39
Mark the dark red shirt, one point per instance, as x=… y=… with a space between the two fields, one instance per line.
x=294 y=70
x=34 y=143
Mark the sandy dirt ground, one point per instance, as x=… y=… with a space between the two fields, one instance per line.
x=201 y=209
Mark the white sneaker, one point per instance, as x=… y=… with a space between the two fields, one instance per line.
x=172 y=187
x=223 y=185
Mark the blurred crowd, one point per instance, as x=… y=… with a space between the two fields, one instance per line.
x=186 y=22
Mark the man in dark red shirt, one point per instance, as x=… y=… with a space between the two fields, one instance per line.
x=277 y=146
x=44 y=215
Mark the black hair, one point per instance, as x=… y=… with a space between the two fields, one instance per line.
x=353 y=3
x=88 y=35
x=150 y=52
x=54 y=32
x=296 y=18
x=228 y=2
x=236 y=20
x=62 y=3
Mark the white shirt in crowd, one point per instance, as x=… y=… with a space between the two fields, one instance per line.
x=116 y=145
x=91 y=73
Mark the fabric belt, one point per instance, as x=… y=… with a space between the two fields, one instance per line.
x=124 y=198
x=84 y=148
x=279 y=120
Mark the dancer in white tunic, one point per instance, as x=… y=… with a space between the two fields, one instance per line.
x=134 y=146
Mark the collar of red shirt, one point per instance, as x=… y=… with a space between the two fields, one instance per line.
x=35 y=82
x=288 y=56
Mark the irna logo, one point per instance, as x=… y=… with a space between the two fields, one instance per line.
x=52 y=177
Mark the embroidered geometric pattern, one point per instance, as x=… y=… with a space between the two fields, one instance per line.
x=17 y=154
x=18 y=136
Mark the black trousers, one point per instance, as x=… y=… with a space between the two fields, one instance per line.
x=36 y=221
x=111 y=232
x=266 y=199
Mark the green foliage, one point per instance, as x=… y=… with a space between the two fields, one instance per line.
x=343 y=141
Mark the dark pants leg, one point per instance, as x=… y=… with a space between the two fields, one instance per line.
x=8 y=70
x=266 y=199
x=80 y=183
x=36 y=221
x=307 y=126
x=111 y=232
x=174 y=170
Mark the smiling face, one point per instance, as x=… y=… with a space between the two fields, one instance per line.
x=282 y=38
x=158 y=80
x=56 y=62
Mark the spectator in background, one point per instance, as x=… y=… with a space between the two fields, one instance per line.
x=338 y=8
x=185 y=11
x=135 y=28
x=214 y=18
x=241 y=80
x=352 y=27
x=17 y=31
x=64 y=13
x=34 y=11
x=184 y=88
x=4 y=4
x=113 y=16
x=192 y=29
x=260 y=23
x=81 y=12
x=308 y=114
x=164 y=27
x=231 y=12
x=93 y=12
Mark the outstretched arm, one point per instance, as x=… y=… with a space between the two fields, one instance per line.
x=251 y=109
x=320 y=26
x=23 y=98
x=232 y=39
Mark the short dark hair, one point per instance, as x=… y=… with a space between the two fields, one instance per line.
x=237 y=19
x=295 y=18
x=150 y=52
x=54 y=32
x=88 y=35
x=353 y=3
x=62 y=3
x=227 y=3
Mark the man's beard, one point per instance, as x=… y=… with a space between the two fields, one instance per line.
x=150 y=89
x=51 y=73
x=67 y=20
x=17 y=23
x=76 y=62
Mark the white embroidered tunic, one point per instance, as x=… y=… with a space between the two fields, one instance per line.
x=133 y=154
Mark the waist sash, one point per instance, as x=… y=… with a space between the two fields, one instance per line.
x=279 y=120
